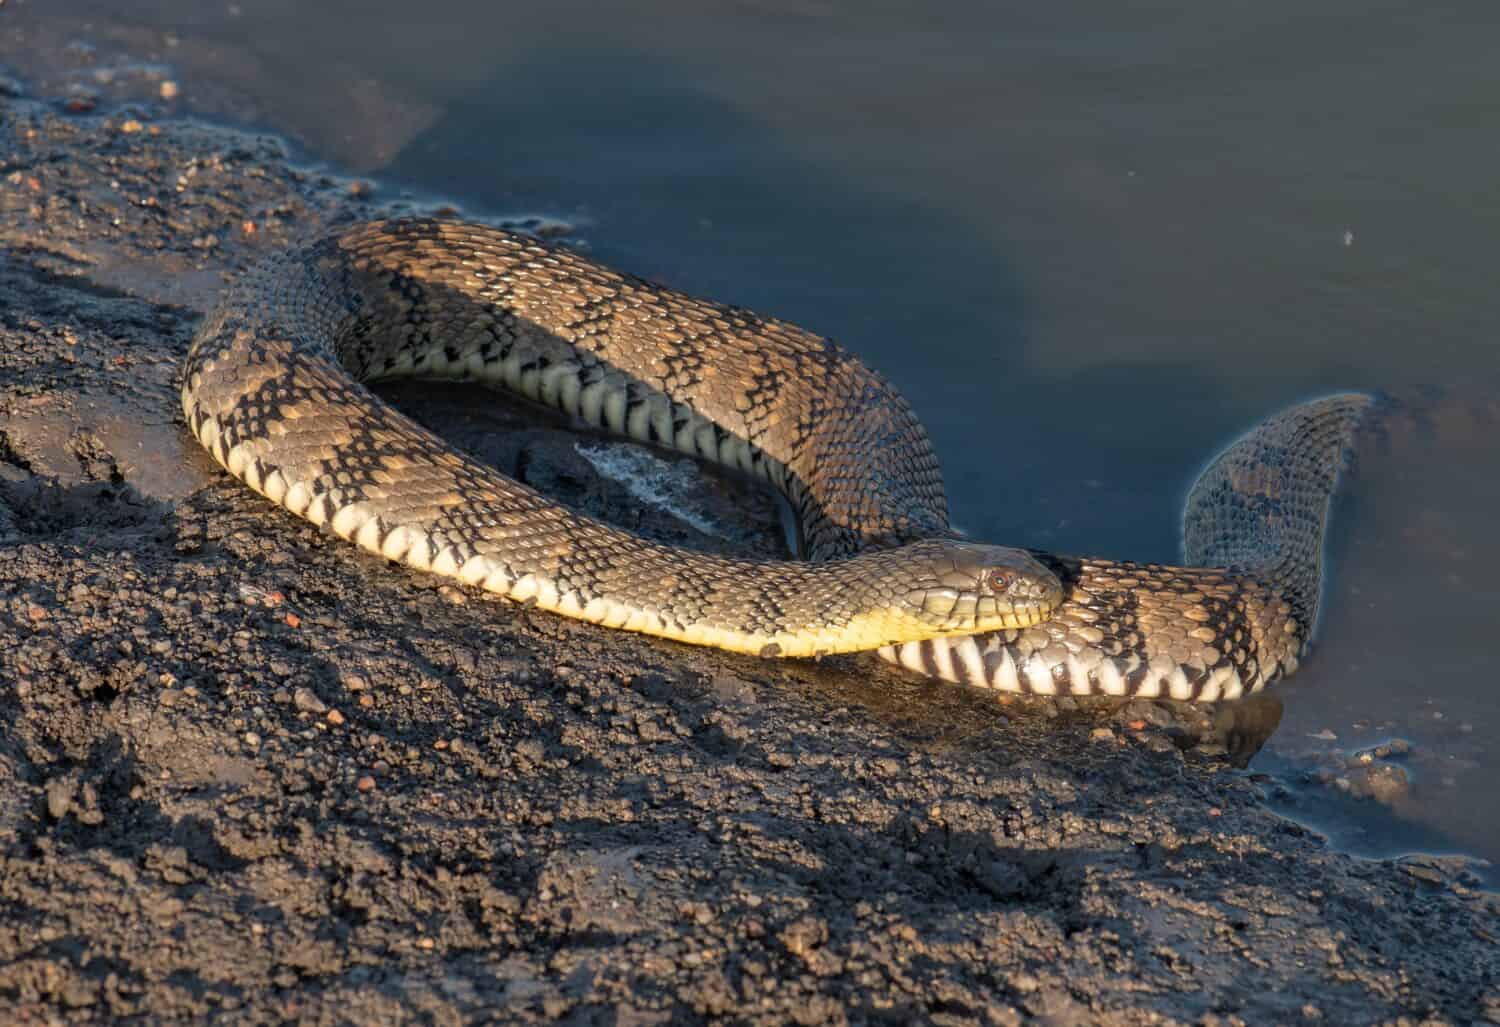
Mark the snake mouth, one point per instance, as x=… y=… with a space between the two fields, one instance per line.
x=986 y=588
x=951 y=611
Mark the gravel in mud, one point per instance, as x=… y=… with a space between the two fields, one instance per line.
x=248 y=772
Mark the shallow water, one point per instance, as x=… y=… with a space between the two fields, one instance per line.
x=1091 y=243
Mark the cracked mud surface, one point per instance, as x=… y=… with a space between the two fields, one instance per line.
x=251 y=773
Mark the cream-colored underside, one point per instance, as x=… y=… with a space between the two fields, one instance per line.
x=424 y=551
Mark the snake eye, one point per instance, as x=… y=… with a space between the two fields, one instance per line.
x=998 y=580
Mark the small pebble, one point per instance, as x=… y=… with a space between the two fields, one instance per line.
x=1424 y=873
x=365 y=784
x=305 y=699
x=1024 y=983
x=168 y=90
x=335 y=718
x=59 y=797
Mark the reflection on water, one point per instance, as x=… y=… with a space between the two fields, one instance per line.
x=1090 y=242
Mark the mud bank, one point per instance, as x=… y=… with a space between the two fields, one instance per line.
x=249 y=772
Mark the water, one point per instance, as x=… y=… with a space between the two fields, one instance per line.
x=1090 y=242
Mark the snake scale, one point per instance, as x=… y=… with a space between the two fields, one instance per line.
x=273 y=389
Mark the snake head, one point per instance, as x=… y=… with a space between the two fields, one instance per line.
x=969 y=588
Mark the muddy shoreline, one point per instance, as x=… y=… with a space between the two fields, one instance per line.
x=251 y=773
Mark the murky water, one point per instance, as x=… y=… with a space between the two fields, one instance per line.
x=1091 y=242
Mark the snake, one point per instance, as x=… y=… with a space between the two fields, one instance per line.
x=276 y=387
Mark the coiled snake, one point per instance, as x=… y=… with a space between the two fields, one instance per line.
x=271 y=388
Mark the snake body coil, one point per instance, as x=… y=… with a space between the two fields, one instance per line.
x=272 y=390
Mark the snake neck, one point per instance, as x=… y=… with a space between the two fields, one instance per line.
x=1129 y=629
